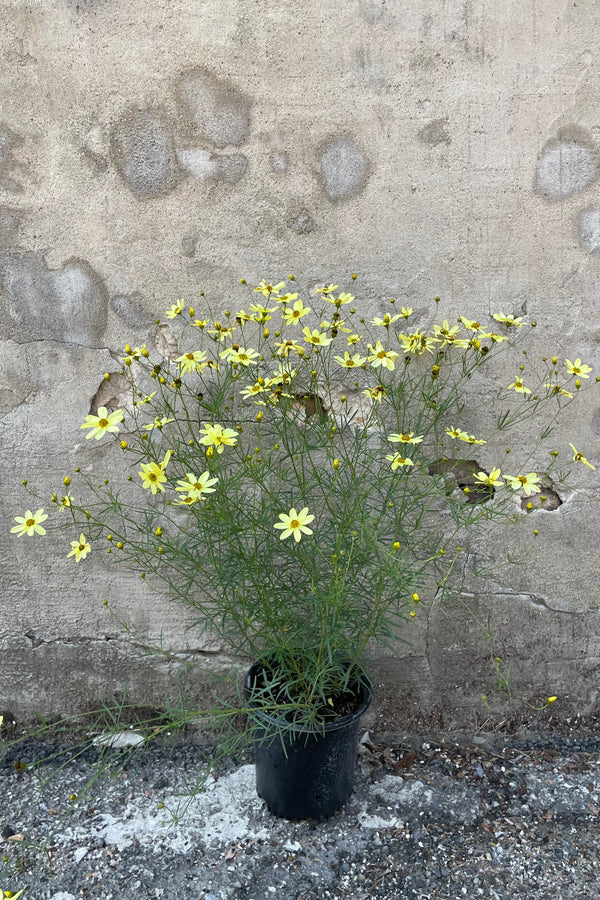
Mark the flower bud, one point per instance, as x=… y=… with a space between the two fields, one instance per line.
x=67 y=481
x=336 y=464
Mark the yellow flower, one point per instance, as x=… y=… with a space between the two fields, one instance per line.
x=469 y=438
x=578 y=368
x=397 y=461
x=326 y=290
x=221 y=331
x=519 y=387
x=386 y=321
x=377 y=393
x=29 y=524
x=134 y=352
x=509 y=321
x=316 y=337
x=285 y=348
x=456 y=433
x=200 y=323
x=194 y=361
x=8 y=895
x=294 y=523
x=350 y=362
x=146 y=399
x=406 y=311
x=241 y=356
x=557 y=389
x=579 y=457
x=261 y=313
x=446 y=335
x=195 y=486
x=491 y=336
x=103 y=422
x=158 y=423
x=252 y=390
x=298 y=310
x=353 y=339
x=219 y=437
x=286 y=298
x=80 y=548
x=153 y=476
x=282 y=375
x=336 y=326
x=491 y=480
x=269 y=289
x=530 y=483
x=340 y=300
x=175 y=310
x=405 y=438
x=470 y=324
x=381 y=357
x=417 y=342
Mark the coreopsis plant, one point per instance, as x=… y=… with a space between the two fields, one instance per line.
x=302 y=479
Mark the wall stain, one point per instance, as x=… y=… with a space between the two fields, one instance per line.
x=9 y=140
x=567 y=165
x=131 y=310
x=69 y=304
x=344 y=168
x=214 y=108
x=435 y=132
x=142 y=149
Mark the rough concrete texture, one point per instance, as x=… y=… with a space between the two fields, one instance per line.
x=153 y=150
x=472 y=816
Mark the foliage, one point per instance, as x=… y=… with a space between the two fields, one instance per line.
x=301 y=479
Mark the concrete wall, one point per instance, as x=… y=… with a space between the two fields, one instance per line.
x=153 y=150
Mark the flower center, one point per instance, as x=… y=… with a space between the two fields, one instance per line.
x=102 y=423
x=294 y=524
x=30 y=522
x=523 y=479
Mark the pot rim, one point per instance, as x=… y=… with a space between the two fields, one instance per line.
x=327 y=727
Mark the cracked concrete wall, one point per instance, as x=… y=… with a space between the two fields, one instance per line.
x=150 y=151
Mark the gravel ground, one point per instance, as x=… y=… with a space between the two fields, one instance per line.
x=471 y=816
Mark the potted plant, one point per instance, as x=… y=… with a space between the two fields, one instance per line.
x=301 y=479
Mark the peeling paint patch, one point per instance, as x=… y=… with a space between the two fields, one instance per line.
x=113 y=394
x=303 y=223
x=589 y=229
x=142 y=149
x=435 y=132
x=130 y=309
x=69 y=304
x=566 y=167
x=9 y=400
x=215 y=108
x=344 y=168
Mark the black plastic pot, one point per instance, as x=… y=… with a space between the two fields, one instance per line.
x=302 y=774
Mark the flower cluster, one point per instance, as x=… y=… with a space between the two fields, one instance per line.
x=264 y=422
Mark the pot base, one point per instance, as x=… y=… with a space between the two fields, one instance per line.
x=302 y=774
